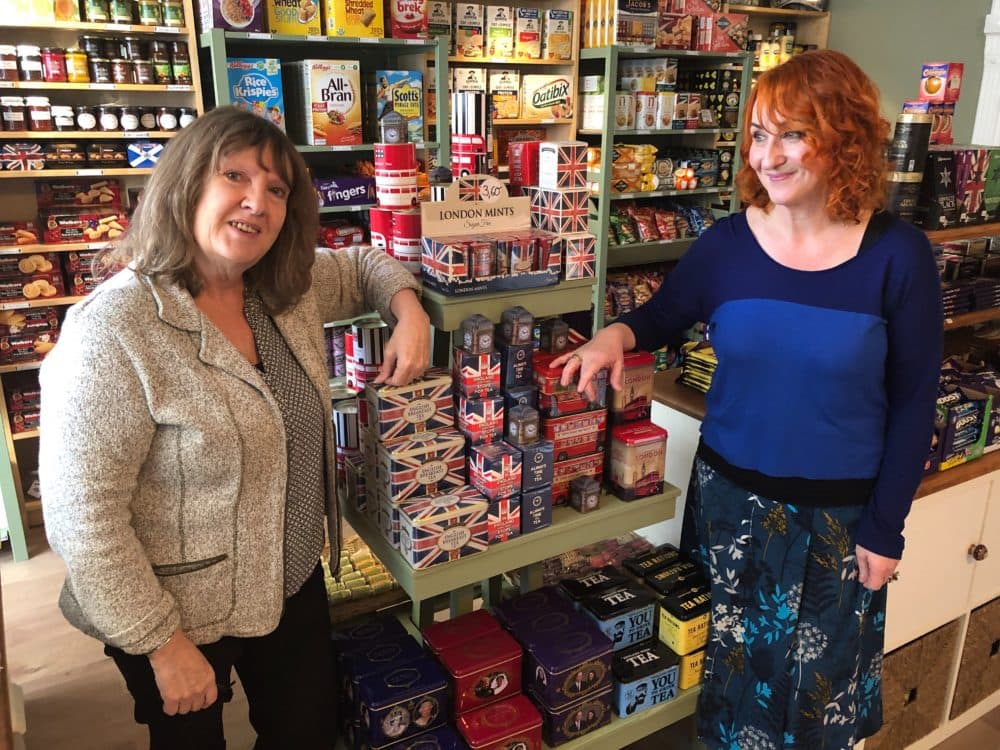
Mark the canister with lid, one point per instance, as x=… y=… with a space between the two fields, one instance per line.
x=645 y=676
x=29 y=61
x=143 y=71
x=107 y=117
x=96 y=11
x=121 y=70
x=85 y=117
x=128 y=118
x=162 y=69
x=100 y=70
x=513 y=723
x=63 y=117
x=185 y=116
x=166 y=118
x=8 y=62
x=180 y=63
x=111 y=47
x=173 y=13
x=449 y=634
x=54 y=64
x=149 y=13
x=403 y=701
x=565 y=665
x=483 y=671
x=626 y=615
x=15 y=114
x=92 y=45
x=133 y=47
x=147 y=118
x=76 y=66
x=592 y=582
x=39 y=114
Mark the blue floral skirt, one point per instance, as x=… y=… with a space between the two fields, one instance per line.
x=794 y=655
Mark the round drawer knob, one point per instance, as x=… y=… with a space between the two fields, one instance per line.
x=978 y=552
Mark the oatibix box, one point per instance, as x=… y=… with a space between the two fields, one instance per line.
x=325 y=96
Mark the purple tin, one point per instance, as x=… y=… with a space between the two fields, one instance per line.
x=568 y=664
x=529 y=605
x=372 y=659
x=575 y=719
x=402 y=702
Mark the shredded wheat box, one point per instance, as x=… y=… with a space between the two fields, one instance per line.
x=557 y=36
x=360 y=18
x=325 y=96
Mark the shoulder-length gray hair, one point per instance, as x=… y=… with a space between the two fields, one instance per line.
x=160 y=243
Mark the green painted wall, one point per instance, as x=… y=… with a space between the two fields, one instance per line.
x=890 y=39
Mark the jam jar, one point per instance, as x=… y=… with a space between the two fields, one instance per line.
x=111 y=47
x=92 y=45
x=76 y=66
x=147 y=118
x=107 y=117
x=143 y=70
x=8 y=62
x=185 y=116
x=120 y=11
x=29 y=60
x=39 y=113
x=63 y=117
x=166 y=118
x=15 y=114
x=162 y=69
x=85 y=117
x=180 y=64
x=173 y=13
x=54 y=64
x=96 y=11
x=149 y=13
x=128 y=118
x=121 y=71
x=100 y=70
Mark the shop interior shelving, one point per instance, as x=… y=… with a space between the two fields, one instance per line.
x=812 y=26
x=17 y=198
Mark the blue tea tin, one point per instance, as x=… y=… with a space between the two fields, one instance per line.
x=626 y=615
x=565 y=665
x=645 y=676
x=403 y=701
x=371 y=659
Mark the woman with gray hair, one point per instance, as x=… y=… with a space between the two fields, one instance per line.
x=186 y=455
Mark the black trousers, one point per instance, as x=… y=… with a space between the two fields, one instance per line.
x=288 y=677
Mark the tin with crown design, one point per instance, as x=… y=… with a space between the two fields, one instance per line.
x=512 y=724
x=403 y=701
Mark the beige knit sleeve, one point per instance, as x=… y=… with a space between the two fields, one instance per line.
x=352 y=281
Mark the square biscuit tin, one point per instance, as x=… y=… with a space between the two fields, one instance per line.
x=626 y=615
x=684 y=619
x=403 y=701
x=572 y=720
x=495 y=469
x=594 y=582
x=512 y=724
x=536 y=509
x=394 y=411
x=529 y=605
x=638 y=452
x=569 y=663
x=447 y=634
x=476 y=375
x=325 y=97
x=652 y=561
x=445 y=527
x=645 y=676
x=421 y=464
x=483 y=671
x=481 y=419
x=370 y=631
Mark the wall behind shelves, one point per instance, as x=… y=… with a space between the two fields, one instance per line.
x=890 y=39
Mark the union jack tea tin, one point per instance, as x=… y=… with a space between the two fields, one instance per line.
x=580 y=257
x=576 y=434
x=516 y=325
x=481 y=419
x=595 y=582
x=585 y=494
x=403 y=701
x=504 y=519
x=446 y=527
x=570 y=663
x=476 y=375
x=537 y=466
x=530 y=605
x=477 y=334
x=684 y=617
x=682 y=574
x=626 y=615
x=536 y=509
x=515 y=364
x=512 y=724
x=690 y=669
x=567 y=722
x=563 y=472
x=447 y=634
x=652 y=561
x=376 y=657
x=421 y=464
x=395 y=411
x=554 y=335
x=638 y=452
x=495 y=469
x=645 y=676
x=633 y=402
x=483 y=671
x=563 y=211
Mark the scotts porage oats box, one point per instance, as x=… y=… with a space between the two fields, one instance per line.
x=360 y=18
x=237 y=15
x=325 y=96
x=295 y=17
x=408 y=19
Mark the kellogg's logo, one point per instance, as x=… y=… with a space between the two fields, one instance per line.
x=255 y=86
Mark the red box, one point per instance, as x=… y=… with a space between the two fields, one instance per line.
x=943 y=115
x=522 y=159
x=35 y=286
x=450 y=633
x=691 y=7
x=81 y=193
x=84 y=226
x=476 y=375
x=495 y=469
x=941 y=81
x=23 y=266
x=483 y=671
x=590 y=465
x=26 y=347
x=576 y=434
x=676 y=30
x=18 y=233
x=513 y=723
x=25 y=420
x=722 y=32
x=408 y=18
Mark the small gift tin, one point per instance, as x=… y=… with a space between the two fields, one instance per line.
x=652 y=561
x=602 y=579
x=526 y=395
x=444 y=527
x=529 y=605
x=516 y=325
x=638 y=452
x=682 y=574
x=576 y=434
x=480 y=419
x=483 y=671
x=512 y=724
x=634 y=401
x=422 y=464
x=495 y=469
x=645 y=676
x=476 y=375
x=376 y=657
x=402 y=702
x=560 y=725
x=568 y=663
x=515 y=364
x=441 y=738
x=458 y=630
x=477 y=334
x=377 y=629
x=554 y=335
x=397 y=410
x=522 y=426
x=536 y=509
x=690 y=668
x=537 y=466
x=684 y=619
x=626 y=615
x=585 y=494
x=504 y=519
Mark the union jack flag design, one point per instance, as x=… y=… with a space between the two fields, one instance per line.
x=562 y=211
x=445 y=258
x=395 y=411
x=562 y=164
x=470 y=185
x=505 y=519
x=580 y=256
x=495 y=469
x=476 y=375
x=422 y=464
x=481 y=419
x=446 y=527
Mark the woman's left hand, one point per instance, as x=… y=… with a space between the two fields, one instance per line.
x=874 y=570
x=407 y=353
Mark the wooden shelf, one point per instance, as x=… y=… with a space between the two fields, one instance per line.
x=50 y=86
x=600 y=53
x=63 y=135
x=971 y=318
x=361 y=147
x=43 y=248
x=346 y=209
x=962 y=233
x=26 y=435
x=36 y=174
x=942 y=480
x=660 y=131
x=755 y=10
x=665 y=193
x=447 y=313
x=348 y=41
x=647 y=252
x=465 y=61
x=530 y=121
x=40 y=302
x=22 y=367
x=111 y=28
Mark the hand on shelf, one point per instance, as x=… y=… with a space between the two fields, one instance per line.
x=605 y=351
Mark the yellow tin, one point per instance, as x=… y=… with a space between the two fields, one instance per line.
x=684 y=618
x=690 y=669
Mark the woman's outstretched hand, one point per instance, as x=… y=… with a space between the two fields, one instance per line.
x=603 y=352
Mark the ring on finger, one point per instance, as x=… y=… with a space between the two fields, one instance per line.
x=577 y=357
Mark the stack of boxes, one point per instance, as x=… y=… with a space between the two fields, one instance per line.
x=395 y=223
x=504 y=32
x=664 y=24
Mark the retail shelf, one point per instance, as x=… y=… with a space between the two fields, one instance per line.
x=43 y=248
x=20 y=367
x=50 y=86
x=26 y=435
x=508 y=61
x=757 y=10
x=962 y=233
x=236 y=37
x=40 y=302
x=599 y=53
x=88 y=134
x=531 y=121
x=570 y=529
x=111 y=28
x=971 y=318
x=447 y=313
x=660 y=131
x=36 y=174
x=647 y=252
x=345 y=209
x=665 y=193
x=359 y=147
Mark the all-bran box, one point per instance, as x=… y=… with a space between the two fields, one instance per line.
x=470 y=29
x=401 y=91
x=557 y=35
x=255 y=85
x=499 y=31
x=360 y=18
x=296 y=17
x=325 y=96
x=546 y=97
x=408 y=19
x=527 y=34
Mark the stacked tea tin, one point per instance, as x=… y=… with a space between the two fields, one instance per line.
x=395 y=223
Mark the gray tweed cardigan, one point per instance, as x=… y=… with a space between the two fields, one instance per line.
x=162 y=455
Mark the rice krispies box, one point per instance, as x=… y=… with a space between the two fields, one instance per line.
x=325 y=97
x=444 y=527
x=255 y=85
x=236 y=15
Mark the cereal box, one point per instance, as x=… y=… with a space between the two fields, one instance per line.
x=407 y=19
x=238 y=15
x=499 y=31
x=470 y=28
x=468 y=79
x=255 y=85
x=941 y=81
x=557 y=37
x=504 y=87
x=325 y=96
x=401 y=91
x=297 y=17
x=546 y=97
x=528 y=34
x=439 y=18
x=360 y=18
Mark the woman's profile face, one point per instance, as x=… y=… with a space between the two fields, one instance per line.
x=779 y=155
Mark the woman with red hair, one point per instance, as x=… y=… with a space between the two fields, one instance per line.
x=825 y=315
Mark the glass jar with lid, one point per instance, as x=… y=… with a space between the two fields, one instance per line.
x=120 y=11
x=185 y=116
x=63 y=117
x=96 y=11
x=39 y=114
x=8 y=62
x=128 y=118
x=15 y=114
x=149 y=13
x=147 y=118
x=121 y=71
x=107 y=117
x=92 y=45
x=162 y=68
x=29 y=61
x=54 y=64
x=166 y=118
x=76 y=66
x=85 y=117
x=172 y=12
x=100 y=70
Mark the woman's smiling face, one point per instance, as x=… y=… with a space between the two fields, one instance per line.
x=780 y=156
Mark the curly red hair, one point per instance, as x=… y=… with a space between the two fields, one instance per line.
x=827 y=96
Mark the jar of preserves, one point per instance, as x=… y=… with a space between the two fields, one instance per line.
x=149 y=13
x=185 y=116
x=134 y=48
x=63 y=117
x=121 y=71
x=143 y=70
x=39 y=114
x=92 y=45
x=163 y=72
x=100 y=70
x=166 y=118
x=85 y=117
x=96 y=11
x=172 y=12
x=111 y=47
x=76 y=66
x=181 y=71
x=107 y=117
x=147 y=118
x=120 y=11
x=15 y=114
x=54 y=64
x=29 y=62
x=128 y=118
x=8 y=62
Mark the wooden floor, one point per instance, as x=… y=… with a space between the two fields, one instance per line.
x=75 y=698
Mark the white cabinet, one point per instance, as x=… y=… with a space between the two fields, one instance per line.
x=986 y=579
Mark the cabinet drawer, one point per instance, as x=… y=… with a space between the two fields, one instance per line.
x=979 y=675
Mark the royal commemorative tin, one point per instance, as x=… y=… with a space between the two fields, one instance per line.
x=536 y=509
x=567 y=722
x=682 y=574
x=512 y=724
x=379 y=628
x=458 y=630
x=394 y=411
x=422 y=464
x=594 y=582
x=495 y=469
x=626 y=615
x=483 y=671
x=568 y=663
x=441 y=738
x=638 y=452
x=364 y=662
x=690 y=669
x=402 y=702
x=645 y=676
x=633 y=402
x=444 y=527
x=684 y=619
x=652 y=561
x=530 y=604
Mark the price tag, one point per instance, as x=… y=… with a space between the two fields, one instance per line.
x=117 y=27
x=89 y=172
x=547 y=121
x=178 y=87
x=341 y=148
x=136 y=134
x=491 y=189
x=368 y=40
x=166 y=30
x=6 y=84
x=641 y=48
x=315 y=38
x=101 y=86
x=258 y=35
x=14 y=306
x=416 y=41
